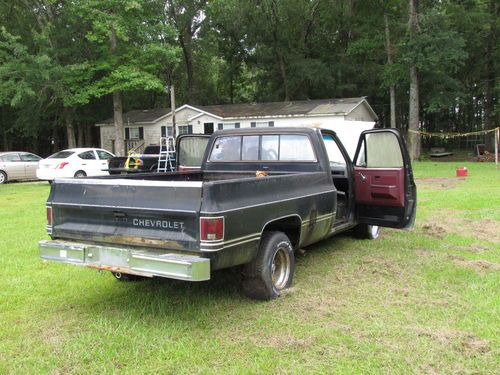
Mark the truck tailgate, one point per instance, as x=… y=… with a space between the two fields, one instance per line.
x=161 y=214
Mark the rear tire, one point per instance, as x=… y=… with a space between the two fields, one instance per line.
x=80 y=174
x=127 y=277
x=271 y=271
x=367 y=232
x=3 y=177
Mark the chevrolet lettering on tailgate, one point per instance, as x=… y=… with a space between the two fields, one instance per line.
x=166 y=224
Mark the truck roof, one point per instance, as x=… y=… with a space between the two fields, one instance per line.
x=270 y=130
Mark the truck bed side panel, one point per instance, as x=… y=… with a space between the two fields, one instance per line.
x=249 y=204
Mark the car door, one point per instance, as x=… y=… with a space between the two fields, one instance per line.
x=385 y=192
x=104 y=157
x=30 y=162
x=13 y=166
x=89 y=163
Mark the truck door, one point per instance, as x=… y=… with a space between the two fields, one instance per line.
x=190 y=151
x=385 y=192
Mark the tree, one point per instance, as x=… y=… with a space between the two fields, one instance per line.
x=129 y=53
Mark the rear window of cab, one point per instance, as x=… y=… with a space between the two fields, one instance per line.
x=269 y=147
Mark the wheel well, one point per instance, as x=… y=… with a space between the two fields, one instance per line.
x=289 y=225
x=80 y=170
x=6 y=174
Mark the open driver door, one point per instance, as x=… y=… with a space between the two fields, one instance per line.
x=385 y=192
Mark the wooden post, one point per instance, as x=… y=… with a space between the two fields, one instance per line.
x=172 y=108
x=497 y=138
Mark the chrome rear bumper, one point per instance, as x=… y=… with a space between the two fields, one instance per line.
x=136 y=262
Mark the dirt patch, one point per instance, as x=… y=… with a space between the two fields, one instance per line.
x=437 y=183
x=434 y=230
x=475 y=264
x=485 y=229
x=450 y=221
x=424 y=253
x=464 y=342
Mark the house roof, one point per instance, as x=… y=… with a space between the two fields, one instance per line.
x=295 y=108
x=140 y=116
x=230 y=111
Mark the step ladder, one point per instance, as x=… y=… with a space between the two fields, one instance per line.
x=167 y=155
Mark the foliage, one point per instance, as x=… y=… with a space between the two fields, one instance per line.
x=58 y=55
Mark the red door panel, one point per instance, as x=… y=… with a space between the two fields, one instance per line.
x=380 y=186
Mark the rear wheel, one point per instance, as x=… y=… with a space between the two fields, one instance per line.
x=126 y=277
x=80 y=174
x=368 y=232
x=3 y=177
x=272 y=270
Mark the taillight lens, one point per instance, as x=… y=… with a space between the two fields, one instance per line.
x=211 y=228
x=62 y=165
x=49 y=216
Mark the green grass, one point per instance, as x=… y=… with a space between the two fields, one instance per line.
x=421 y=301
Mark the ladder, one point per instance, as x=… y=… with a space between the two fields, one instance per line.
x=167 y=154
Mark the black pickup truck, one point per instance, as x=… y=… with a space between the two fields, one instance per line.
x=260 y=195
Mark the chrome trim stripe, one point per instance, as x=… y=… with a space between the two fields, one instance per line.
x=205 y=243
x=266 y=203
x=257 y=238
x=126 y=182
x=156 y=259
x=122 y=207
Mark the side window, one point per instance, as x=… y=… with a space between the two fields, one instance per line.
x=87 y=155
x=250 y=148
x=103 y=155
x=30 y=157
x=334 y=154
x=226 y=149
x=11 y=157
x=270 y=147
x=380 y=150
x=296 y=148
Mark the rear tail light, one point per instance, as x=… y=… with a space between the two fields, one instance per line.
x=211 y=228
x=62 y=165
x=49 y=218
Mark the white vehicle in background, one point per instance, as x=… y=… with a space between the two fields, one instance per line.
x=74 y=162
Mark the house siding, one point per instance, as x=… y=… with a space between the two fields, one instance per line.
x=348 y=127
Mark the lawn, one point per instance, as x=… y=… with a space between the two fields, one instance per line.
x=421 y=301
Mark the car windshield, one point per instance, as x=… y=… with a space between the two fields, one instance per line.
x=61 y=155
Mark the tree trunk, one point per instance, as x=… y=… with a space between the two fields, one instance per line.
x=88 y=135
x=188 y=60
x=70 y=129
x=489 y=99
x=118 y=120
x=392 y=87
x=414 y=120
x=80 y=142
x=280 y=60
x=117 y=108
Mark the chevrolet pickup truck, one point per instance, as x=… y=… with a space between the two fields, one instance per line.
x=260 y=195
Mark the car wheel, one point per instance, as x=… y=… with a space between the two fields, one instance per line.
x=127 y=277
x=368 y=232
x=272 y=270
x=80 y=174
x=3 y=177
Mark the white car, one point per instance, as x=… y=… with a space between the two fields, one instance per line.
x=74 y=162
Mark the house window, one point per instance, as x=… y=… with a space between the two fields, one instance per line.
x=262 y=124
x=166 y=131
x=134 y=133
x=228 y=125
x=185 y=129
